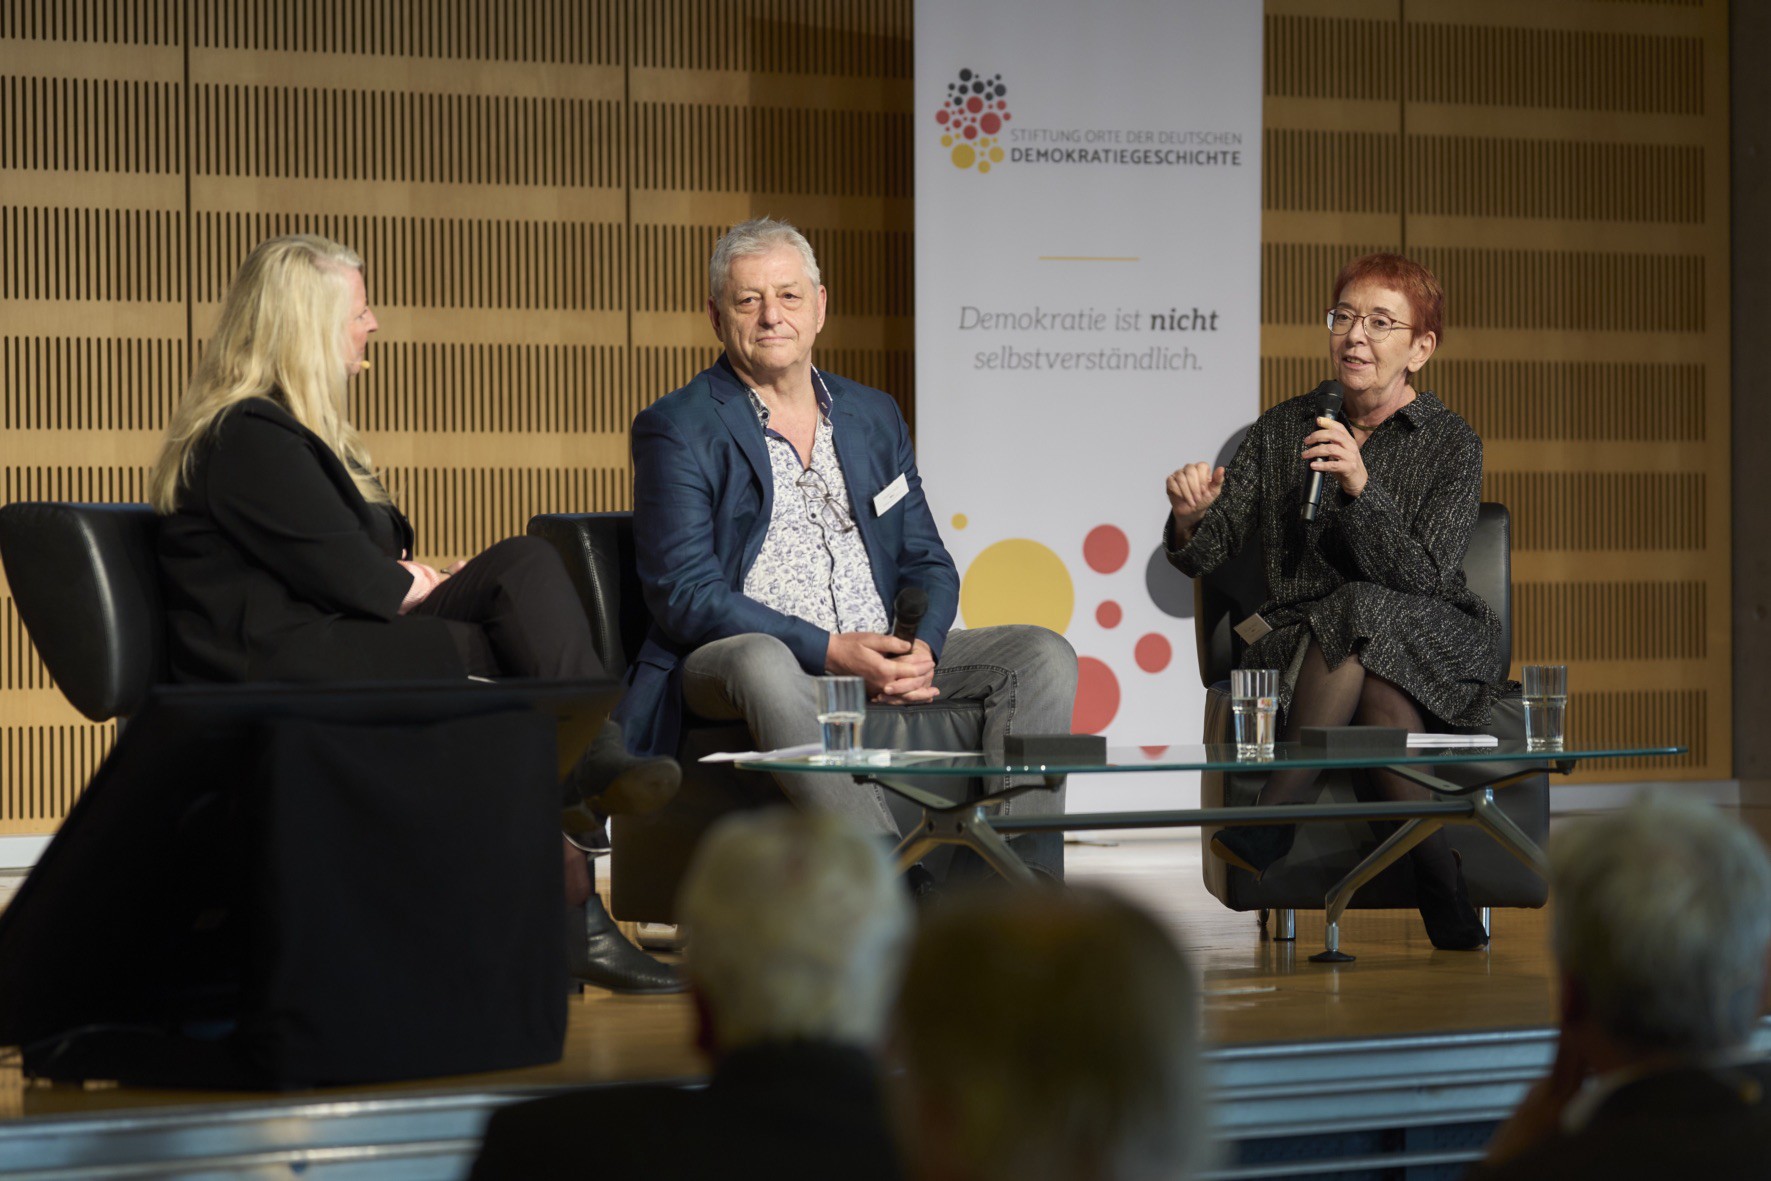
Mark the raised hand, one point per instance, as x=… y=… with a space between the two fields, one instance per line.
x=1191 y=490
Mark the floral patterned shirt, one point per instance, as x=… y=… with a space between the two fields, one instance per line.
x=813 y=564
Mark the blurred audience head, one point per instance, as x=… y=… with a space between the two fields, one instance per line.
x=795 y=925
x=759 y=235
x=1662 y=924
x=1048 y=1034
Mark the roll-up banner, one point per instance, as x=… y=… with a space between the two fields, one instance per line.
x=1088 y=215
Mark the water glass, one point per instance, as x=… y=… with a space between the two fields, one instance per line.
x=1546 y=706
x=842 y=706
x=1254 y=703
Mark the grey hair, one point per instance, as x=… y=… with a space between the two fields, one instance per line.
x=796 y=926
x=759 y=235
x=1663 y=918
x=1080 y=1060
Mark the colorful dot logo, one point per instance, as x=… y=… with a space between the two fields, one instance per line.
x=1017 y=581
x=1020 y=580
x=971 y=120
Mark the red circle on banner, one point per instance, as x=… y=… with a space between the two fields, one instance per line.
x=974 y=104
x=942 y=115
x=1155 y=752
x=1108 y=614
x=1097 y=696
x=1105 y=548
x=991 y=123
x=971 y=131
x=1153 y=652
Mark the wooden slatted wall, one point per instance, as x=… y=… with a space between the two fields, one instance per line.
x=535 y=185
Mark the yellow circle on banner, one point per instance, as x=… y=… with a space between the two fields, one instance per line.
x=963 y=156
x=1017 y=581
x=946 y=141
x=983 y=166
x=960 y=521
x=996 y=154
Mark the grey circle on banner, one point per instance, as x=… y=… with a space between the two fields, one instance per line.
x=1169 y=589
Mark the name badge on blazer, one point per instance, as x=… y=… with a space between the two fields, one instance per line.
x=892 y=494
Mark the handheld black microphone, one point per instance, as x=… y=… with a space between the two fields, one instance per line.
x=1328 y=399
x=908 y=609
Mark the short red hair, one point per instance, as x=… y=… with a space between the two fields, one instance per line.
x=1426 y=299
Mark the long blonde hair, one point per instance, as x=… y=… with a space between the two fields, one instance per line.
x=281 y=335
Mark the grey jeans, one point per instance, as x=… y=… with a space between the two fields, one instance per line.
x=1024 y=676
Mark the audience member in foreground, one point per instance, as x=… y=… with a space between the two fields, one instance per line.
x=284 y=559
x=1048 y=1035
x=1661 y=930
x=796 y=928
x=778 y=514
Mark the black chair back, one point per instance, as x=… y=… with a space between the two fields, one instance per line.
x=87 y=584
x=1488 y=567
x=1235 y=590
x=597 y=549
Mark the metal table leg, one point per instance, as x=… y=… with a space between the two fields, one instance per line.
x=1497 y=824
x=969 y=827
x=1485 y=814
x=946 y=822
x=1393 y=849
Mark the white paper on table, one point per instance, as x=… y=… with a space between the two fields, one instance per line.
x=757 y=756
x=881 y=757
x=1453 y=740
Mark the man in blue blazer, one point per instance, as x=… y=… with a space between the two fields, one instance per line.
x=777 y=513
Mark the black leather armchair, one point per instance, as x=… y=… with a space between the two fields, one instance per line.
x=87 y=585
x=1323 y=853
x=650 y=853
x=213 y=770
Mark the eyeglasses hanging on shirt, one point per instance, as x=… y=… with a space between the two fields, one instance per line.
x=821 y=505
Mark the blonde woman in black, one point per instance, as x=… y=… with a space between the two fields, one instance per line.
x=283 y=558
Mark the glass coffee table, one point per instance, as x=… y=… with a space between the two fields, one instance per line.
x=919 y=776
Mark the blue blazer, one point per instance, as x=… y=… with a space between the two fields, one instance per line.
x=703 y=494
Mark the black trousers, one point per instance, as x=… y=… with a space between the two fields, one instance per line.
x=513 y=613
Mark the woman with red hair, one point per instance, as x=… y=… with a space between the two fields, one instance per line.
x=1371 y=622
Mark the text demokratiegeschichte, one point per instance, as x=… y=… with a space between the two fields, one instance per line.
x=1110 y=145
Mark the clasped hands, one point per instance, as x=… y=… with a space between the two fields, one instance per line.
x=897 y=672
x=425 y=579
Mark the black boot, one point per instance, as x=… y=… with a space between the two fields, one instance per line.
x=1452 y=923
x=608 y=781
x=1254 y=847
x=597 y=953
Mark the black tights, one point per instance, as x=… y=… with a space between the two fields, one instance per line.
x=1345 y=694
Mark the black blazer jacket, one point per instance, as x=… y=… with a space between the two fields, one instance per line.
x=799 y=1111
x=275 y=568
x=1713 y=1124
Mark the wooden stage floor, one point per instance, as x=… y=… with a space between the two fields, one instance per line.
x=1255 y=991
